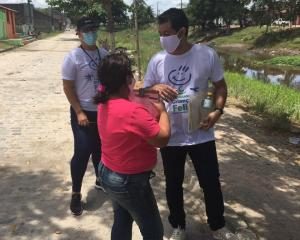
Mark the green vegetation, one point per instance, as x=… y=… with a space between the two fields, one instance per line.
x=5 y=45
x=286 y=60
x=280 y=104
x=246 y=36
x=149 y=42
x=257 y=37
x=50 y=34
x=281 y=38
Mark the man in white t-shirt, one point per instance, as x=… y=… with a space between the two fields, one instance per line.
x=80 y=82
x=177 y=73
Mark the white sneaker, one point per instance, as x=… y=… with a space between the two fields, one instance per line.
x=224 y=234
x=178 y=234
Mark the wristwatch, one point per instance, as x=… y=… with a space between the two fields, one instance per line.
x=221 y=110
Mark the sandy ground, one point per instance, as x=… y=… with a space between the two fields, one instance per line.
x=259 y=169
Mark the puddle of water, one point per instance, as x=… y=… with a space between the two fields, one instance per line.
x=274 y=75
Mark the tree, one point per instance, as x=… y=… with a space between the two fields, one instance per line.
x=292 y=8
x=105 y=11
x=266 y=11
x=94 y=8
x=145 y=13
x=201 y=12
x=230 y=10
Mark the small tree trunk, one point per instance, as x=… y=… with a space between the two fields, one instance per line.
x=110 y=23
x=137 y=39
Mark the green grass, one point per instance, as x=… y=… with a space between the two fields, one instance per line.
x=149 y=42
x=285 y=60
x=246 y=36
x=44 y=35
x=5 y=45
x=279 y=104
x=257 y=37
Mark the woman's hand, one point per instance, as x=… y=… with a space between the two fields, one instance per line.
x=82 y=119
x=160 y=106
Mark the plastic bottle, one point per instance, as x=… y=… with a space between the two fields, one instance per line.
x=208 y=101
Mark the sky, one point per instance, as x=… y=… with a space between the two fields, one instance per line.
x=162 y=4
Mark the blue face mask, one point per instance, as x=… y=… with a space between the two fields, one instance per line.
x=90 y=38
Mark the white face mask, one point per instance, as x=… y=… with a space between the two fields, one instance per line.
x=170 y=43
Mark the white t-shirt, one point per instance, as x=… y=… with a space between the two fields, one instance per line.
x=81 y=67
x=189 y=73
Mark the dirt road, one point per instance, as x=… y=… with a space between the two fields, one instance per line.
x=259 y=169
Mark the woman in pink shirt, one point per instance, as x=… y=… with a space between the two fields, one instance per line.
x=129 y=136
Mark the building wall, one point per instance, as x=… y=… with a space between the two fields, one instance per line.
x=24 y=17
x=2 y=24
x=28 y=19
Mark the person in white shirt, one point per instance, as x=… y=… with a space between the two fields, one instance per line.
x=177 y=73
x=80 y=82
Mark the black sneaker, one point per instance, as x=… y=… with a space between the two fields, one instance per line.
x=76 y=205
x=99 y=186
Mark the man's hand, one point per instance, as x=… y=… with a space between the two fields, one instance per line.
x=82 y=119
x=210 y=121
x=165 y=92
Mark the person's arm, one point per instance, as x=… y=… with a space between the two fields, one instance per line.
x=220 y=100
x=152 y=79
x=220 y=94
x=165 y=92
x=163 y=136
x=70 y=93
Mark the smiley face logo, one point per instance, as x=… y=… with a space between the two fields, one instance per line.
x=93 y=64
x=180 y=76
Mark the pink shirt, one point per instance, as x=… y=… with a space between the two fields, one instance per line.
x=124 y=128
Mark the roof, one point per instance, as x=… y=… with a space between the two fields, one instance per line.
x=9 y=9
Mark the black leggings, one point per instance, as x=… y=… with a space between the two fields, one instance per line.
x=86 y=143
x=204 y=158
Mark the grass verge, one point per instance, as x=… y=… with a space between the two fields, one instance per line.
x=284 y=60
x=5 y=46
x=149 y=42
x=279 y=104
x=256 y=37
x=44 y=35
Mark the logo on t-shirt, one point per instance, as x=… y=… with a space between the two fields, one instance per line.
x=180 y=76
x=92 y=80
x=93 y=64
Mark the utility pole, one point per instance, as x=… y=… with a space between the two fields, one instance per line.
x=181 y=4
x=157 y=12
x=29 y=15
x=52 y=22
x=137 y=38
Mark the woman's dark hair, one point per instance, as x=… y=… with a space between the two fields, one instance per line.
x=113 y=73
x=176 y=17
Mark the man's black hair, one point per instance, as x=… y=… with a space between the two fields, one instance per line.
x=176 y=17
